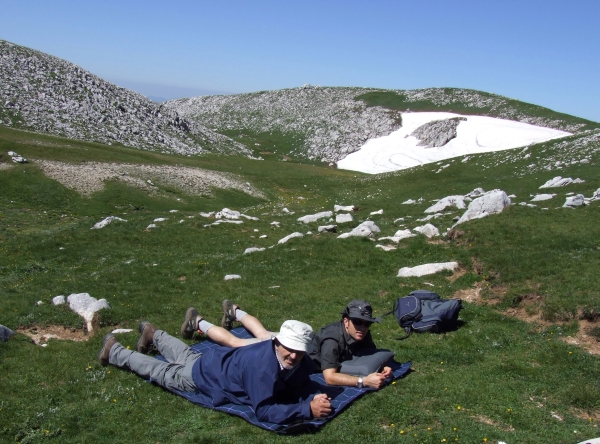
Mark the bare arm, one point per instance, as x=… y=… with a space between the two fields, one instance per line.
x=374 y=380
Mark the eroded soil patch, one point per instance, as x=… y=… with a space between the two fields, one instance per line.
x=43 y=335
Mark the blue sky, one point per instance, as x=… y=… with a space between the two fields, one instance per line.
x=542 y=52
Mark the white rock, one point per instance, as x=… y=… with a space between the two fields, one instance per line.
x=431 y=216
x=541 y=197
x=428 y=230
x=12 y=153
x=86 y=306
x=58 y=300
x=19 y=159
x=559 y=181
x=103 y=223
x=173 y=211
x=376 y=212
x=211 y=214
x=263 y=236
x=448 y=201
x=425 y=269
x=286 y=211
x=490 y=203
x=151 y=226
x=118 y=331
x=275 y=223
x=476 y=193
x=289 y=236
x=327 y=229
x=575 y=201
x=366 y=229
x=385 y=247
x=160 y=219
x=409 y=202
x=337 y=208
x=249 y=217
x=343 y=218
x=253 y=250
x=228 y=214
x=314 y=217
x=229 y=277
x=39 y=303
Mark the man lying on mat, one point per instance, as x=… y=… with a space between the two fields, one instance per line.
x=332 y=345
x=272 y=377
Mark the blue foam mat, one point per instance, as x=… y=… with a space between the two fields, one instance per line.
x=341 y=397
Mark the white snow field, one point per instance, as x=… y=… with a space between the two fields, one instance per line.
x=478 y=134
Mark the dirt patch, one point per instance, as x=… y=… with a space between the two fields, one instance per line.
x=458 y=272
x=42 y=335
x=592 y=416
x=471 y=295
x=583 y=339
x=437 y=242
x=485 y=420
x=5 y=166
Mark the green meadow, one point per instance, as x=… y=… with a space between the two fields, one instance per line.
x=495 y=378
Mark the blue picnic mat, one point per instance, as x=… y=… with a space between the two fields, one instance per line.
x=341 y=397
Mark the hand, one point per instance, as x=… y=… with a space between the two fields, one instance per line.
x=375 y=380
x=320 y=406
x=387 y=372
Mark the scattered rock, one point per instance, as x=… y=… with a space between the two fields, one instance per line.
x=229 y=277
x=253 y=250
x=86 y=306
x=385 y=247
x=103 y=223
x=289 y=236
x=559 y=181
x=58 y=300
x=425 y=269
x=398 y=236
x=437 y=133
x=366 y=229
x=542 y=197
x=446 y=202
x=376 y=212
x=428 y=230
x=337 y=208
x=315 y=217
x=575 y=201
x=490 y=203
x=327 y=229
x=343 y=218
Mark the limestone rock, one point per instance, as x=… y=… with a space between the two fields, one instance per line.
x=366 y=229
x=425 y=269
x=289 y=236
x=446 y=202
x=575 y=201
x=107 y=221
x=438 y=132
x=343 y=218
x=86 y=306
x=229 y=277
x=315 y=217
x=490 y=203
x=428 y=230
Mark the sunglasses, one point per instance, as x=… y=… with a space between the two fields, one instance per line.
x=361 y=323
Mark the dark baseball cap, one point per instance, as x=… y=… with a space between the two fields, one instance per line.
x=359 y=309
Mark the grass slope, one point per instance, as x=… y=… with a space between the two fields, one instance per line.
x=494 y=378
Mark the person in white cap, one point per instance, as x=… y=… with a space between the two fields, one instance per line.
x=272 y=376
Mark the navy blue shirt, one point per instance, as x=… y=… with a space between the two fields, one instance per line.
x=252 y=376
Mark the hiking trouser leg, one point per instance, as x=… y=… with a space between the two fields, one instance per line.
x=165 y=374
x=174 y=350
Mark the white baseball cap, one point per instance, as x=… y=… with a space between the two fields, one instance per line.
x=296 y=335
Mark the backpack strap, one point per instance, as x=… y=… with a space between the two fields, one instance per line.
x=393 y=310
x=408 y=333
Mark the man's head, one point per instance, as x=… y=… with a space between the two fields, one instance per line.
x=358 y=317
x=292 y=342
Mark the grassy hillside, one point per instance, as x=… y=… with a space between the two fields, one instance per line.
x=496 y=378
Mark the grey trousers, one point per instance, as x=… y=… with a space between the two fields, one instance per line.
x=175 y=374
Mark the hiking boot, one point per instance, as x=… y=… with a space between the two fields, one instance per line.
x=190 y=323
x=229 y=318
x=107 y=343
x=146 y=341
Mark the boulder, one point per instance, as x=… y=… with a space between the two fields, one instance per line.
x=425 y=269
x=428 y=230
x=446 y=202
x=343 y=218
x=226 y=213
x=86 y=306
x=58 y=300
x=575 y=201
x=366 y=229
x=492 y=202
x=559 y=181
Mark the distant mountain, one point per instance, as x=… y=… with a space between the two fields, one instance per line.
x=328 y=123
x=43 y=93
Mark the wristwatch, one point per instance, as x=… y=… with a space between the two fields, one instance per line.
x=359 y=384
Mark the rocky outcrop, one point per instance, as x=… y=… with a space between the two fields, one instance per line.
x=46 y=94
x=437 y=133
x=323 y=123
